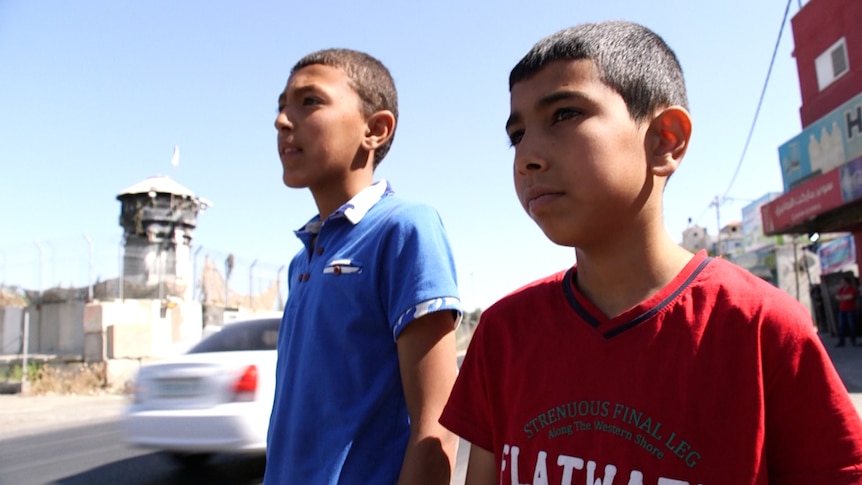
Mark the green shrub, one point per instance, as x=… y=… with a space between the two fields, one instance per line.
x=13 y=371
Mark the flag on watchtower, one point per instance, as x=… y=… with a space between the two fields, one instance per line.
x=175 y=159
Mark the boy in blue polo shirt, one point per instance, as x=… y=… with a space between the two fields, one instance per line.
x=366 y=352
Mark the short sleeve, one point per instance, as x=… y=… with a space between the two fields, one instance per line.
x=813 y=431
x=468 y=412
x=420 y=276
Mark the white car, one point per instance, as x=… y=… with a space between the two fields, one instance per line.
x=215 y=398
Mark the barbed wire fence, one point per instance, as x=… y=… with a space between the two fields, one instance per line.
x=86 y=267
x=83 y=267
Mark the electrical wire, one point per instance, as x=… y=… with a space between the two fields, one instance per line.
x=760 y=102
x=715 y=201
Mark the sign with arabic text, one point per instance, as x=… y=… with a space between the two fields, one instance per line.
x=809 y=199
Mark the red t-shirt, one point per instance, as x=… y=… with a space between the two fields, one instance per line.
x=848 y=305
x=718 y=379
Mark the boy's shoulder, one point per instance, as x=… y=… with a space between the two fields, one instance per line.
x=733 y=291
x=726 y=276
x=394 y=210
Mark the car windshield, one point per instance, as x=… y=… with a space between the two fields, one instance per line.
x=239 y=336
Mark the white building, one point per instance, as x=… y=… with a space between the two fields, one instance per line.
x=695 y=238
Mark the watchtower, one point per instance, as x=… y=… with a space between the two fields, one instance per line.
x=158 y=217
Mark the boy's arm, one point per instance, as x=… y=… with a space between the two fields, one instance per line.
x=481 y=469
x=428 y=362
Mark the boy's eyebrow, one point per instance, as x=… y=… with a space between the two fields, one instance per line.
x=547 y=100
x=297 y=92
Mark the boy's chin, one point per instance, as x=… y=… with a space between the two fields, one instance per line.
x=558 y=239
x=293 y=182
x=565 y=240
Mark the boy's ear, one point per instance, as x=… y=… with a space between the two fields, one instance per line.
x=380 y=127
x=667 y=140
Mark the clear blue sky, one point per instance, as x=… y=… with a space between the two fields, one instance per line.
x=95 y=94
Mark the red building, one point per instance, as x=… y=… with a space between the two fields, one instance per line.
x=832 y=29
x=822 y=166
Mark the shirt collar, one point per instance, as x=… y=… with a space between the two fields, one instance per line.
x=356 y=208
x=353 y=210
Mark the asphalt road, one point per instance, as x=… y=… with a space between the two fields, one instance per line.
x=71 y=440
x=77 y=440
x=92 y=454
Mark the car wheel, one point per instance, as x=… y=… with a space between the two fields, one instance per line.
x=190 y=460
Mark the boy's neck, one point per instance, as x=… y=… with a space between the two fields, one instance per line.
x=329 y=198
x=620 y=276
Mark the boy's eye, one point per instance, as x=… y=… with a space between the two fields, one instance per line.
x=565 y=114
x=309 y=101
x=515 y=137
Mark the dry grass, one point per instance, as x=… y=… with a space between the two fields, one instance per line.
x=69 y=378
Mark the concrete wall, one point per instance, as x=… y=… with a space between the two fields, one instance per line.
x=127 y=333
x=11 y=327
x=143 y=329
x=121 y=333
x=54 y=328
x=139 y=329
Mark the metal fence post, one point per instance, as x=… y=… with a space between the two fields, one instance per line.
x=89 y=267
x=25 y=385
x=278 y=286
x=41 y=266
x=121 y=281
x=250 y=283
x=195 y=272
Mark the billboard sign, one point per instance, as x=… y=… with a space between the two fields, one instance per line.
x=752 y=224
x=811 y=198
x=824 y=145
x=851 y=180
x=836 y=254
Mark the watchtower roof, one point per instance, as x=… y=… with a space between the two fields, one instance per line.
x=160 y=184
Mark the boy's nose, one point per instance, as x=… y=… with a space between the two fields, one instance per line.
x=527 y=160
x=281 y=122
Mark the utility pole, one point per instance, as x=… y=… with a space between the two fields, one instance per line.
x=716 y=203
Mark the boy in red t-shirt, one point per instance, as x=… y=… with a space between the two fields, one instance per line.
x=642 y=364
x=846 y=296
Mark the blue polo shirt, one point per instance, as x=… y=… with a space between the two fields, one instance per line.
x=366 y=272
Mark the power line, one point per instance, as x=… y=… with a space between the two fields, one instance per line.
x=716 y=201
x=760 y=102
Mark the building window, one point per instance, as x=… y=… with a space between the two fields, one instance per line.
x=832 y=64
x=839 y=61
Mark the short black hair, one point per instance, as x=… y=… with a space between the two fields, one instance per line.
x=368 y=77
x=631 y=59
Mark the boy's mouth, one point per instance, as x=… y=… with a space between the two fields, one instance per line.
x=535 y=198
x=288 y=149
